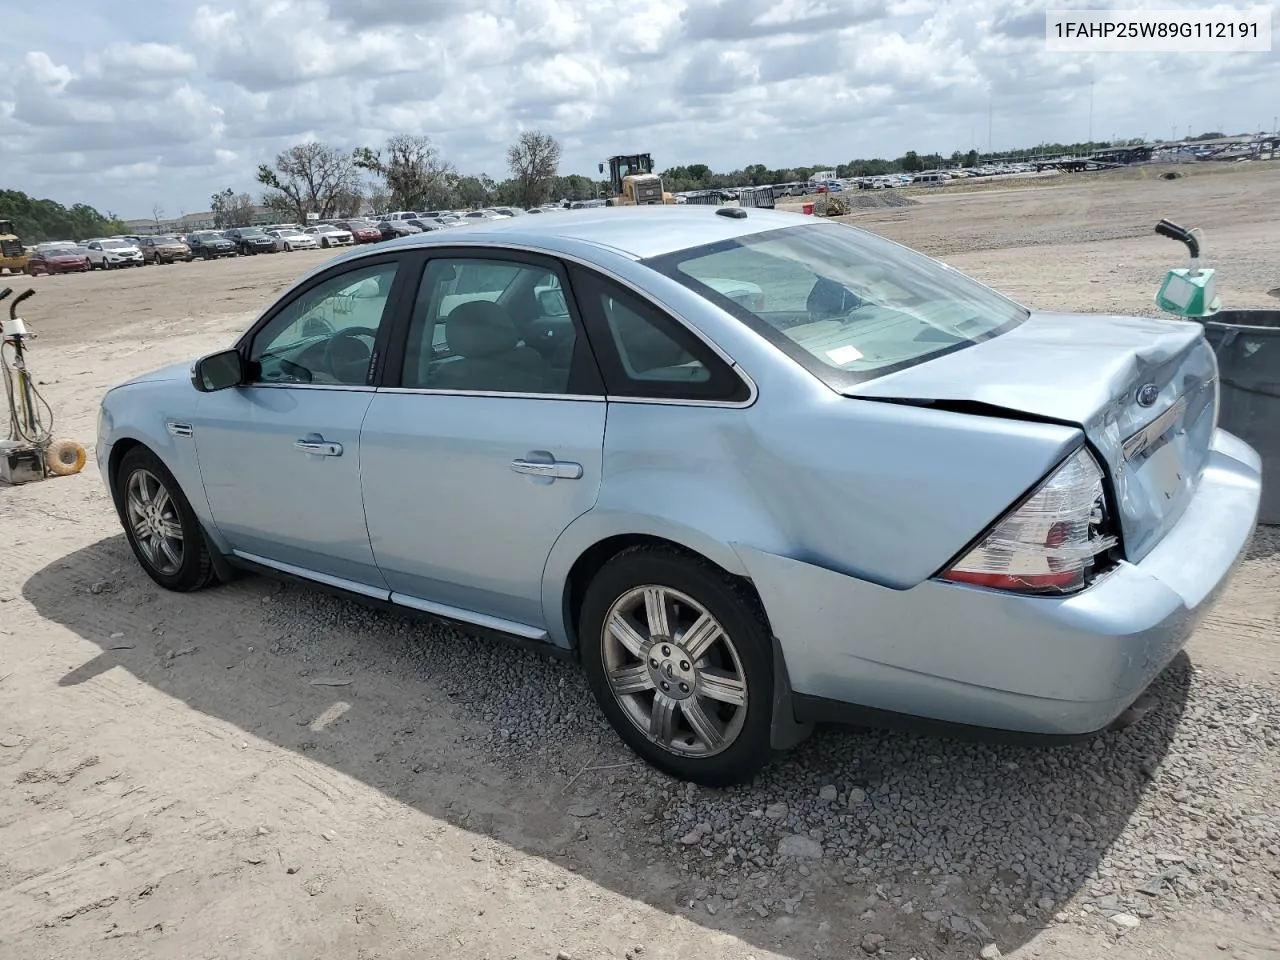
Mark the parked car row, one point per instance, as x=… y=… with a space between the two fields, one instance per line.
x=109 y=253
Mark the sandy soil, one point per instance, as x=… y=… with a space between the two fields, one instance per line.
x=179 y=780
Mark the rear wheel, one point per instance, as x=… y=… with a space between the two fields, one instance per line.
x=161 y=526
x=679 y=658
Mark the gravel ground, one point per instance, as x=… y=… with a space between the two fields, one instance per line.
x=956 y=842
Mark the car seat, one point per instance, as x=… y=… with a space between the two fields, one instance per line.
x=488 y=354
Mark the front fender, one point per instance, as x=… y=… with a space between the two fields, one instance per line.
x=160 y=415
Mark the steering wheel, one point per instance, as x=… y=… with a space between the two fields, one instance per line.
x=347 y=357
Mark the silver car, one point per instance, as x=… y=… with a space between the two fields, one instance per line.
x=753 y=470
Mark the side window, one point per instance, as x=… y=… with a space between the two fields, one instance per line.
x=326 y=334
x=643 y=352
x=490 y=326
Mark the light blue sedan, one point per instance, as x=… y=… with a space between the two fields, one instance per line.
x=754 y=470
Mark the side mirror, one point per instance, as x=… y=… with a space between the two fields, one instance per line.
x=601 y=166
x=218 y=371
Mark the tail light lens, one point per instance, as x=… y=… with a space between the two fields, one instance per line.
x=1053 y=542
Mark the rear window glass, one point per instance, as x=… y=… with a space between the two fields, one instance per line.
x=845 y=304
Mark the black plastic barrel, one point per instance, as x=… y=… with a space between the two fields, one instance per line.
x=1247 y=343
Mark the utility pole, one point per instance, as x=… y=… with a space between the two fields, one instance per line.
x=989 y=114
x=1090 y=108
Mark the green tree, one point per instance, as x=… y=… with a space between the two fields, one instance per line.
x=35 y=221
x=911 y=162
x=415 y=174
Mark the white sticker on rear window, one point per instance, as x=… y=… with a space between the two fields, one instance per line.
x=843 y=355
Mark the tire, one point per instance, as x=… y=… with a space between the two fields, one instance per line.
x=63 y=458
x=713 y=738
x=140 y=468
x=324 y=244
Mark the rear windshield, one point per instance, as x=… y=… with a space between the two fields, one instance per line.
x=845 y=304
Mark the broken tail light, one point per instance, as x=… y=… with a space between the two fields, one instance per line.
x=1054 y=542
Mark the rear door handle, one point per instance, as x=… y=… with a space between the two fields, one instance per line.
x=318 y=446
x=556 y=469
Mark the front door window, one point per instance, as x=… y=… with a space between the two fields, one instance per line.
x=326 y=335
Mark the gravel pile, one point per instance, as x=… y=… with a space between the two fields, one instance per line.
x=869 y=199
x=969 y=840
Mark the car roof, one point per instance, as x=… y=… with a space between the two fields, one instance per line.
x=639 y=232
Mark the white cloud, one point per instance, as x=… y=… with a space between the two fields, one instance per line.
x=168 y=107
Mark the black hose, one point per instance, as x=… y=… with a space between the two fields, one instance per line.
x=1167 y=228
x=13 y=307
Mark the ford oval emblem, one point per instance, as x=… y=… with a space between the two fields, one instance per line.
x=1148 y=393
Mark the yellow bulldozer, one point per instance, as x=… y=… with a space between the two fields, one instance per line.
x=632 y=182
x=13 y=256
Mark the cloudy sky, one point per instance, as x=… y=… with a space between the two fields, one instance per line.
x=135 y=103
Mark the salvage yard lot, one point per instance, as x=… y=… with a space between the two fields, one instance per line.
x=262 y=770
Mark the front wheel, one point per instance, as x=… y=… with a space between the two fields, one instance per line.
x=679 y=657
x=160 y=524
x=325 y=243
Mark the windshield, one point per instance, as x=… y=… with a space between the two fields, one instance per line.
x=251 y=232
x=115 y=244
x=845 y=304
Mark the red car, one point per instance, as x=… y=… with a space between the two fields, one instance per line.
x=362 y=231
x=48 y=259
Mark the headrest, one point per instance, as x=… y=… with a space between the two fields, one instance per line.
x=480 y=328
x=369 y=287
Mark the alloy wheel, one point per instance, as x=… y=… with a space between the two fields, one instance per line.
x=674 y=671
x=154 y=522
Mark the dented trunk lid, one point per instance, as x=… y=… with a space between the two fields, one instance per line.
x=1144 y=391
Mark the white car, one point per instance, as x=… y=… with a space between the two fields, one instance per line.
x=291 y=238
x=327 y=235
x=486 y=215
x=105 y=254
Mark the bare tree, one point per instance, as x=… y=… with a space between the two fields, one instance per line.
x=231 y=209
x=534 y=160
x=415 y=174
x=157 y=214
x=311 y=178
x=379 y=198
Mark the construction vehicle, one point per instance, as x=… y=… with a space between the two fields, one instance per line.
x=13 y=256
x=632 y=182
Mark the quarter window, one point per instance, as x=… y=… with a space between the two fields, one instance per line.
x=643 y=352
x=326 y=334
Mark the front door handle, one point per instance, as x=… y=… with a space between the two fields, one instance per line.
x=317 y=445
x=556 y=469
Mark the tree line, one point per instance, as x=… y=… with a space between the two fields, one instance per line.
x=35 y=221
x=407 y=172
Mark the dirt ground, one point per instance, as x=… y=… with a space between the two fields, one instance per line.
x=257 y=771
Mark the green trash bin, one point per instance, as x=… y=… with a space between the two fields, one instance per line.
x=1247 y=343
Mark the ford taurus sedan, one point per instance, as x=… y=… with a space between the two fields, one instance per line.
x=752 y=470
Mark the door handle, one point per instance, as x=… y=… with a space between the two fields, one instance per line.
x=556 y=469
x=321 y=448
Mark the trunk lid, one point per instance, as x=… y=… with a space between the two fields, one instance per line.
x=1144 y=391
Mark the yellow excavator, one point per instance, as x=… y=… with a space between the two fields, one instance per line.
x=633 y=182
x=13 y=256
